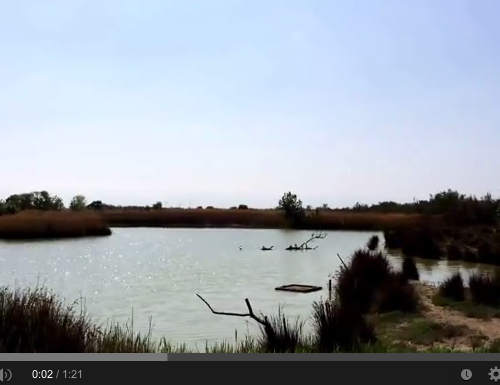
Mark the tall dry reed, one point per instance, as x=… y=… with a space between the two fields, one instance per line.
x=52 y=224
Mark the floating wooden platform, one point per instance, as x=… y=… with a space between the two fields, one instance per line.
x=297 y=288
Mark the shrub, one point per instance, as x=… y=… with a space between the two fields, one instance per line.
x=358 y=283
x=422 y=242
x=453 y=287
x=339 y=328
x=373 y=243
x=398 y=295
x=242 y=207
x=409 y=269
x=485 y=288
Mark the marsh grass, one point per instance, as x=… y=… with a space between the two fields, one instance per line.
x=38 y=321
x=453 y=288
x=281 y=335
x=255 y=218
x=52 y=225
x=468 y=308
x=340 y=328
x=484 y=288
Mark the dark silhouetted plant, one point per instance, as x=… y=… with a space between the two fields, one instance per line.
x=453 y=287
x=409 y=269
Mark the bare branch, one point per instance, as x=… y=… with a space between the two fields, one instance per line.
x=264 y=322
x=341 y=260
x=305 y=245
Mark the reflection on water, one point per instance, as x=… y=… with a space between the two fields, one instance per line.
x=157 y=272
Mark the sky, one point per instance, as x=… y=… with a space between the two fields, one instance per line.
x=212 y=102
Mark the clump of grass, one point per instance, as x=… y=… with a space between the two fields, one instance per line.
x=36 y=321
x=280 y=335
x=485 y=288
x=410 y=269
x=373 y=243
x=340 y=328
x=52 y=224
x=453 y=287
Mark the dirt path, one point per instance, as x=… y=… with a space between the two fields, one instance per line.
x=471 y=330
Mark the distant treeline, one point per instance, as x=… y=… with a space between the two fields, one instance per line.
x=457 y=208
x=44 y=201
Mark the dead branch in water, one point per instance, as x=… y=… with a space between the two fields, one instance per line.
x=263 y=321
x=341 y=260
x=305 y=245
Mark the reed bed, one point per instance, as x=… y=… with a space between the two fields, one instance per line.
x=252 y=218
x=52 y=224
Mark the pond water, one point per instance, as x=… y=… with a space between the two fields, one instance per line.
x=155 y=273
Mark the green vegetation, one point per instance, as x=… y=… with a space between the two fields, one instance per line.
x=292 y=208
x=480 y=299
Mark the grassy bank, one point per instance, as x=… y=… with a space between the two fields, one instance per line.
x=375 y=308
x=52 y=224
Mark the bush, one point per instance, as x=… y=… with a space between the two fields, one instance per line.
x=422 y=242
x=453 y=287
x=373 y=243
x=358 y=283
x=398 y=295
x=409 y=269
x=485 y=288
x=242 y=207
x=339 y=328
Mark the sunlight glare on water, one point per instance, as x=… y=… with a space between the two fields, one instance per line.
x=158 y=272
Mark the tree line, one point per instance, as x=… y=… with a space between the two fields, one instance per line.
x=39 y=200
x=44 y=201
x=457 y=208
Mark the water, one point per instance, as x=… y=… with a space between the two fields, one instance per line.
x=144 y=273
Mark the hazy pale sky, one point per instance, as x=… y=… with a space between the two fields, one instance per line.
x=213 y=102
